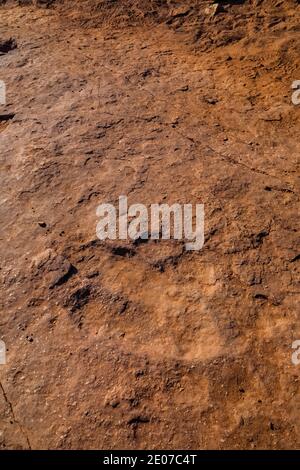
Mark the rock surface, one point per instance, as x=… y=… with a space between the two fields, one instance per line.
x=145 y=345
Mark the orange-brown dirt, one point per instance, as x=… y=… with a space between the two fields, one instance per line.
x=142 y=346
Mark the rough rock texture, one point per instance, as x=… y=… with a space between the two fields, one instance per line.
x=114 y=345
